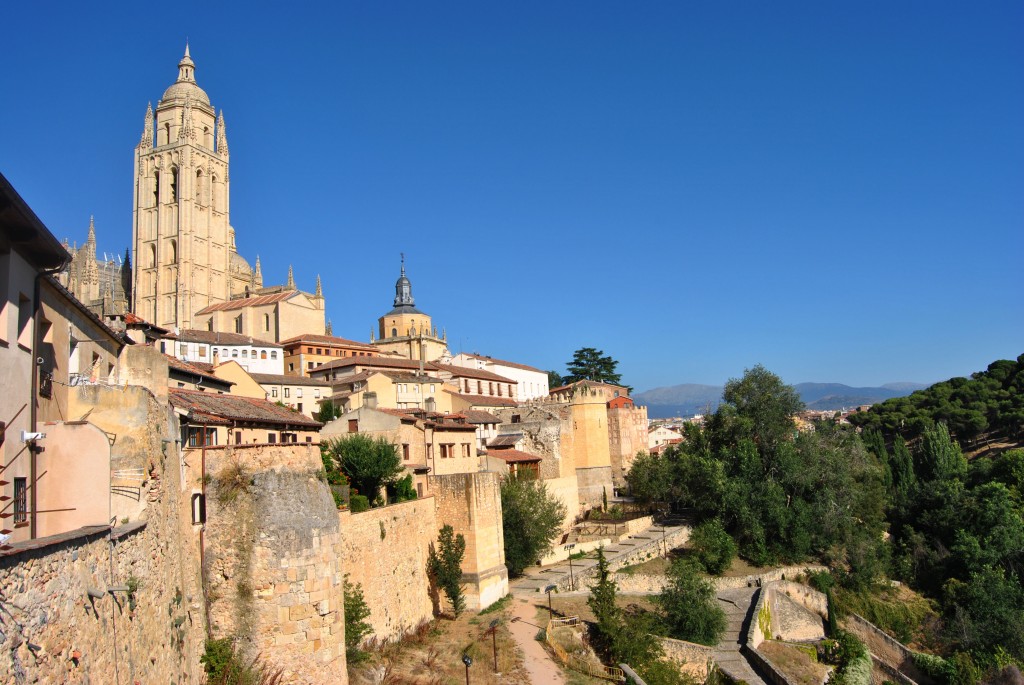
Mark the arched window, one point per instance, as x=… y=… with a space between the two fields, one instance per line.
x=266 y=322
x=174 y=252
x=167 y=133
x=152 y=256
x=213 y=192
x=394 y=332
x=174 y=185
x=156 y=188
x=199 y=188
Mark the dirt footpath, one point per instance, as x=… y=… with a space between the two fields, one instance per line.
x=539 y=664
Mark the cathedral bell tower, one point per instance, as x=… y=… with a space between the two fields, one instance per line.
x=182 y=240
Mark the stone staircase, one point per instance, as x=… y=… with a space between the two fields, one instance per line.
x=738 y=605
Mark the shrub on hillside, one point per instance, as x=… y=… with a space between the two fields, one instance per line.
x=713 y=546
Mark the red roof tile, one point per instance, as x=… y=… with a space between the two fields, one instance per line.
x=206 y=405
x=513 y=456
x=466 y=372
x=244 y=302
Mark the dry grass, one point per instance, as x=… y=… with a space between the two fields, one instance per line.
x=797 y=665
x=432 y=655
x=658 y=566
x=576 y=605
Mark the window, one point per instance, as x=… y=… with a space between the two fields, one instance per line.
x=273 y=392
x=263 y=354
x=516 y=418
x=273 y=354
x=353 y=425
x=195 y=436
x=405 y=451
x=447 y=450
x=430 y=451
x=499 y=389
x=490 y=388
x=198 y=508
x=287 y=392
x=24 y=317
x=238 y=437
x=234 y=354
x=174 y=185
x=20 y=500
x=266 y=322
x=272 y=438
x=465 y=449
x=202 y=351
x=309 y=365
x=479 y=388
x=316 y=393
x=319 y=350
x=245 y=354
x=309 y=350
x=431 y=388
x=300 y=410
x=238 y=324
x=291 y=366
x=298 y=392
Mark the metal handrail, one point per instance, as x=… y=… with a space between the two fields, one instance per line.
x=574 y=662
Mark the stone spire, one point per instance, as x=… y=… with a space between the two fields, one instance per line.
x=222 y=135
x=329 y=329
x=147 y=128
x=291 y=278
x=319 y=288
x=257 y=273
x=187 y=68
x=403 y=288
x=90 y=239
x=126 y=276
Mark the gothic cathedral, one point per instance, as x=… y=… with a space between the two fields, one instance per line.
x=183 y=245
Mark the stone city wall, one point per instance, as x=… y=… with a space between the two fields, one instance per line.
x=384 y=550
x=885 y=650
x=60 y=624
x=566 y=490
x=692 y=658
x=471 y=504
x=273 y=558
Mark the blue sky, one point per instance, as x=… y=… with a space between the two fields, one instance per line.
x=831 y=189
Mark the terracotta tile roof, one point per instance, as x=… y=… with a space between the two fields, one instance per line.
x=466 y=372
x=195 y=368
x=326 y=340
x=514 y=456
x=244 y=302
x=588 y=384
x=480 y=416
x=221 y=408
x=484 y=400
x=503 y=362
x=507 y=440
x=282 y=379
x=219 y=338
x=376 y=363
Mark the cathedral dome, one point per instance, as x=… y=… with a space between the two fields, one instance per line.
x=186 y=84
x=239 y=265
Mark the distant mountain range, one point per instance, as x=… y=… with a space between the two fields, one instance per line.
x=690 y=398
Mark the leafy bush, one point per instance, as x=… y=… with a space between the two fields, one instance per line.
x=368 y=463
x=531 y=518
x=688 y=601
x=713 y=546
x=445 y=566
x=224 y=666
x=356 y=626
x=359 y=503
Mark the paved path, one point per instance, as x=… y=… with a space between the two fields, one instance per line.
x=738 y=605
x=539 y=664
x=566 y=574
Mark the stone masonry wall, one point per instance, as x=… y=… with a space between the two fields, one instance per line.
x=627 y=435
x=53 y=631
x=385 y=551
x=471 y=504
x=272 y=559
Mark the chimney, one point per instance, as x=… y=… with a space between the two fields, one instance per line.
x=370 y=400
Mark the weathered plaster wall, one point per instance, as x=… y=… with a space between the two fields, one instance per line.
x=44 y=583
x=385 y=551
x=273 y=558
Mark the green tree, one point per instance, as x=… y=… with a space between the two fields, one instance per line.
x=602 y=600
x=764 y=407
x=713 y=546
x=531 y=518
x=690 y=608
x=368 y=463
x=445 y=566
x=328 y=412
x=554 y=379
x=591 y=364
x=356 y=625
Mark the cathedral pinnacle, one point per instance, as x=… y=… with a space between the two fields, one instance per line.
x=291 y=277
x=91 y=237
x=329 y=329
x=257 y=274
x=187 y=132
x=147 y=128
x=319 y=288
x=186 y=67
x=222 y=135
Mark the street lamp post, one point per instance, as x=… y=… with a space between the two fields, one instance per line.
x=548 y=589
x=572 y=581
x=466 y=659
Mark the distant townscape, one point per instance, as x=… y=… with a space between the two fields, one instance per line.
x=201 y=482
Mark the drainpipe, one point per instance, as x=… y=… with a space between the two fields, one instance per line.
x=33 y=448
